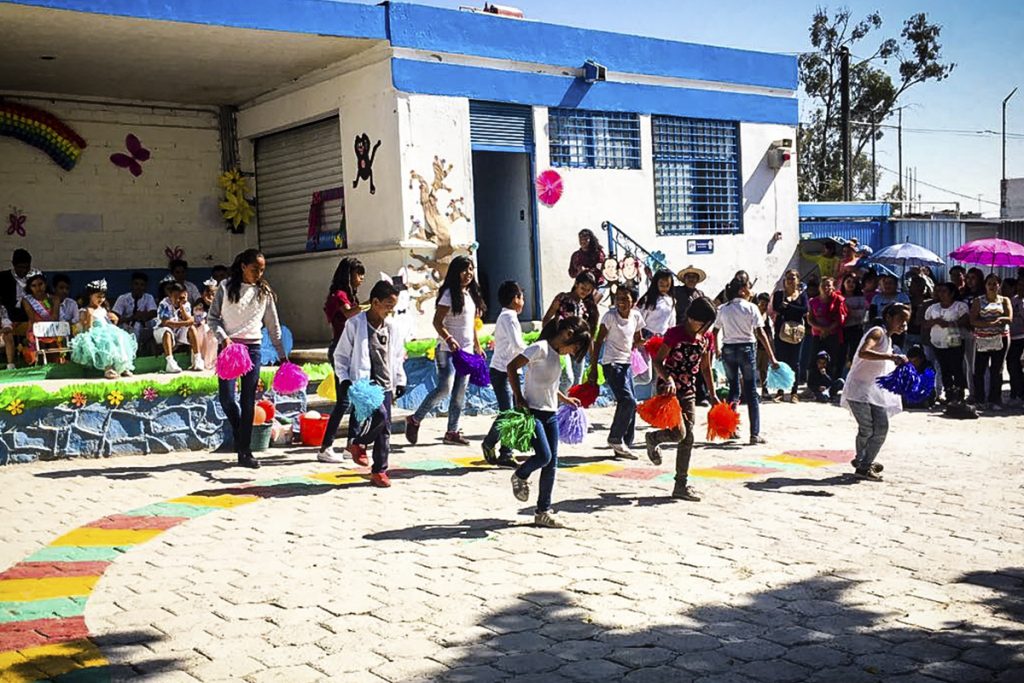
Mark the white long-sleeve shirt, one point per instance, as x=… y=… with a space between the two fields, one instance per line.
x=243 y=321
x=352 y=354
x=508 y=339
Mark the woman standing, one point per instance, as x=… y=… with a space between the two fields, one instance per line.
x=589 y=258
x=243 y=306
x=944 y=323
x=871 y=405
x=459 y=304
x=342 y=304
x=856 y=315
x=991 y=315
x=790 y=306
x=827 y=317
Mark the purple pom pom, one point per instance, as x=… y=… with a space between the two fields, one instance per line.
x=572 y=424
x=290 y=379
x=473 y=365
x=233 y=362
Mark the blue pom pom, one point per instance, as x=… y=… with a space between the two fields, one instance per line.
x=268 y=354
x=780 y=379
x=365 y=397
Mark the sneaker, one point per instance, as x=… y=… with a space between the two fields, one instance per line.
x=127 y=373
x=653 y=449
x=172 y=367
x=328 y=455
x=11 y=366
x=686 y=493
x=111 y=373
x=455 y=439
x=490 y=455
x=520 y=488
x=793 y=398
x=757 y=440
x=507 y=460
x=622 y=451
x=197 y=363
x=547 y=519
x=412 y=430
x=380 y=480
x=875 y=466
x=249 y=460
x=868 y=474
x=358 y=453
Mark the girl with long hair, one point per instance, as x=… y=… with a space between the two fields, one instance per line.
x=459 y=304
x=102 y=344
x=243 y=306
x=576 y=303
x=657 y=305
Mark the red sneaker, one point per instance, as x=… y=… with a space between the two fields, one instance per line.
x=455 y=439
x=358 y=453
x=380 y=480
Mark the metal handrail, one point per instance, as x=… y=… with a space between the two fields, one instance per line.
x=618 y=238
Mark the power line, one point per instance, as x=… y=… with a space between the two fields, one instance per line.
x=944 y=131
x=943 y=189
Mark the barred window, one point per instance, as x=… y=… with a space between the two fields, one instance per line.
x=697 y=186
x=594 y=139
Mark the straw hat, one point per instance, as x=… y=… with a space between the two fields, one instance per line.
x=701 y=275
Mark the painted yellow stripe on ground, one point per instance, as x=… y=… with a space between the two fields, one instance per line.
x=471 y=462
x=225 y=500
x=343 y=478
x=719 y=474
x=52 y=660
x=594 y=468
x=793 y=460
x=22 y=590
x=88 y=536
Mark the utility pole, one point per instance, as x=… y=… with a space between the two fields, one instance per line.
x=1002 y=184
x=899 y=144
x=874 y=168
x=844 y=106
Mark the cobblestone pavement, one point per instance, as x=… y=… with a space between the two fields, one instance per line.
x=789 y=570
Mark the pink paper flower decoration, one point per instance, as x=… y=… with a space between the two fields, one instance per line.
x=549 y=187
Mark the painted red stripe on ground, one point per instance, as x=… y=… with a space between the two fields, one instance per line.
x=44 y=570
x=749 y=469
x=126 y=522
x=641 y=473
x=19 y=635
x=842 y=457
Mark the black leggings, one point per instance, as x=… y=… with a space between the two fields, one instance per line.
x=992 y=361
x=951 y=365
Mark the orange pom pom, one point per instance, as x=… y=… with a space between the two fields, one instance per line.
x=723 y=421
x=662 y=412
x=586 y=393
x=259 y=416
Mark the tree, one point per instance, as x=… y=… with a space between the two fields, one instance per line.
x=874 y=93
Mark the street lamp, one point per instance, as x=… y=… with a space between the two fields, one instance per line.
x=1002 y=184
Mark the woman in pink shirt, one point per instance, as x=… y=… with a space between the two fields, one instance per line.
x=827 y=316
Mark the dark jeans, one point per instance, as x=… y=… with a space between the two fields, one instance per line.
x=544 y=458
x=241 y=421
x=835 y=350
x=502 y=392
x=951 y=365
x=1016 y=371
x=790 y=355
x=619 y=377
x=993 y=362
x=739 y=361
x=379 y=434
x=342 y=407
x=683 y=436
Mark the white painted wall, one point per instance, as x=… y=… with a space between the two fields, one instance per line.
x=173 y=202
x=1014 y=198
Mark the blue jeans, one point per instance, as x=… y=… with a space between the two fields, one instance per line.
x=872 y=428
x=739 y=360
x=241 y=420
x=572 y=374
x=379 y=434
x=447 y=383
x=544 y=458
x=619 y=377
x=502 y=392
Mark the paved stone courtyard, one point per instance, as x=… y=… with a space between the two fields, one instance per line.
x=789 y=570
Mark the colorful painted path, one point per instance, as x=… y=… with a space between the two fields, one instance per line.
x=43 y=635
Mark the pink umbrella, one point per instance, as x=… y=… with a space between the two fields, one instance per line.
x=990 y=252
x=549 y=187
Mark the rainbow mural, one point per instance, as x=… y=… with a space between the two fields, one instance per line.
x=43 y=130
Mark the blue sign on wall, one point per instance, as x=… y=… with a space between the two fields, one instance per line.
x=700 y=246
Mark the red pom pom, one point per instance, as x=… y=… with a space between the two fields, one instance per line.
x=723 y=421
x=585 y=393
x=662 y=412
x=653 y=345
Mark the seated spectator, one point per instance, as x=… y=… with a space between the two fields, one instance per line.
x=179 y=271
x=889 y=294
x=14 y=284
x=208 y=344
x=821 y=386
x=67 y=307
x=136 y=309
x=7 y=336
x=917 y=357
x=219 y=273
x=38 y=307
x=176 y=328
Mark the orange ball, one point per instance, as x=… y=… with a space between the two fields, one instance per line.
x=268 y=408
x=259 y=416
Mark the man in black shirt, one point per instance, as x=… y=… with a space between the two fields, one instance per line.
x=686 y=293
x=12 y=285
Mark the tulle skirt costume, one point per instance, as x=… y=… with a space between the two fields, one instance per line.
x=105 y=346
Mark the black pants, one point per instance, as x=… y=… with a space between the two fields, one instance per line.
x=951 y=365
x=1014 y=366
x=832 y=345
x=342 y=407
x=378 y=433
x=993 y=362
x=790 y=355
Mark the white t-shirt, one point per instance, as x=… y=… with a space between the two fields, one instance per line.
x=508 y=339
x=460 y=326
x=657 y=320
x=542 y=375
x=946 y=337
x=738 y=320
x=618 y=345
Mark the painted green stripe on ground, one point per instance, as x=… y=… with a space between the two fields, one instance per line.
x=42 y=609
x=77 y=553
x=773 y=464
x=427 y=465
x=171 y=510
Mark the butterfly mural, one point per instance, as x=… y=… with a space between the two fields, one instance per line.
x=16 y=222
x=134 y=162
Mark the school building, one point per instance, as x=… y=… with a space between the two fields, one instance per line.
x=398 y=133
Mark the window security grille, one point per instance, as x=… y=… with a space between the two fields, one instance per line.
x=697 y=186
x=594 y=139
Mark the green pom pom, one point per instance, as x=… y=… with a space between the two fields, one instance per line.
x=516 y=429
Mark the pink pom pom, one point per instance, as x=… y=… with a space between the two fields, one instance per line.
x=233 y=362
x=290 y=379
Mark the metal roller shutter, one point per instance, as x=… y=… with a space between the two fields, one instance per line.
x=290 y=167
x=498 y=125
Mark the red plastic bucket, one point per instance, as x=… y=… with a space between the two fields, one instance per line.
x=311 y=432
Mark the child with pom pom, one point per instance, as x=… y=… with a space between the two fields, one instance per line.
x=508 y=343
x=541 y=395
x=871 y=405
x=684 y=356
x=617 y=336
x=369 y=349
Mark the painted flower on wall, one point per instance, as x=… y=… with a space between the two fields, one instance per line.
x=150 y=394
x=79 y=400
x=115 y=398
x=235 y=208
x=16 y=407
x=184 y=391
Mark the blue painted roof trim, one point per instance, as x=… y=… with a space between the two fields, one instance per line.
x=845 y=210
x=321 y=17
x=443 y=30
x=430 y=78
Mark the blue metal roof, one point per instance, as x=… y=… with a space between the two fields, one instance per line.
x=841 y=210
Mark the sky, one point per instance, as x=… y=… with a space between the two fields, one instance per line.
x=983 y=40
